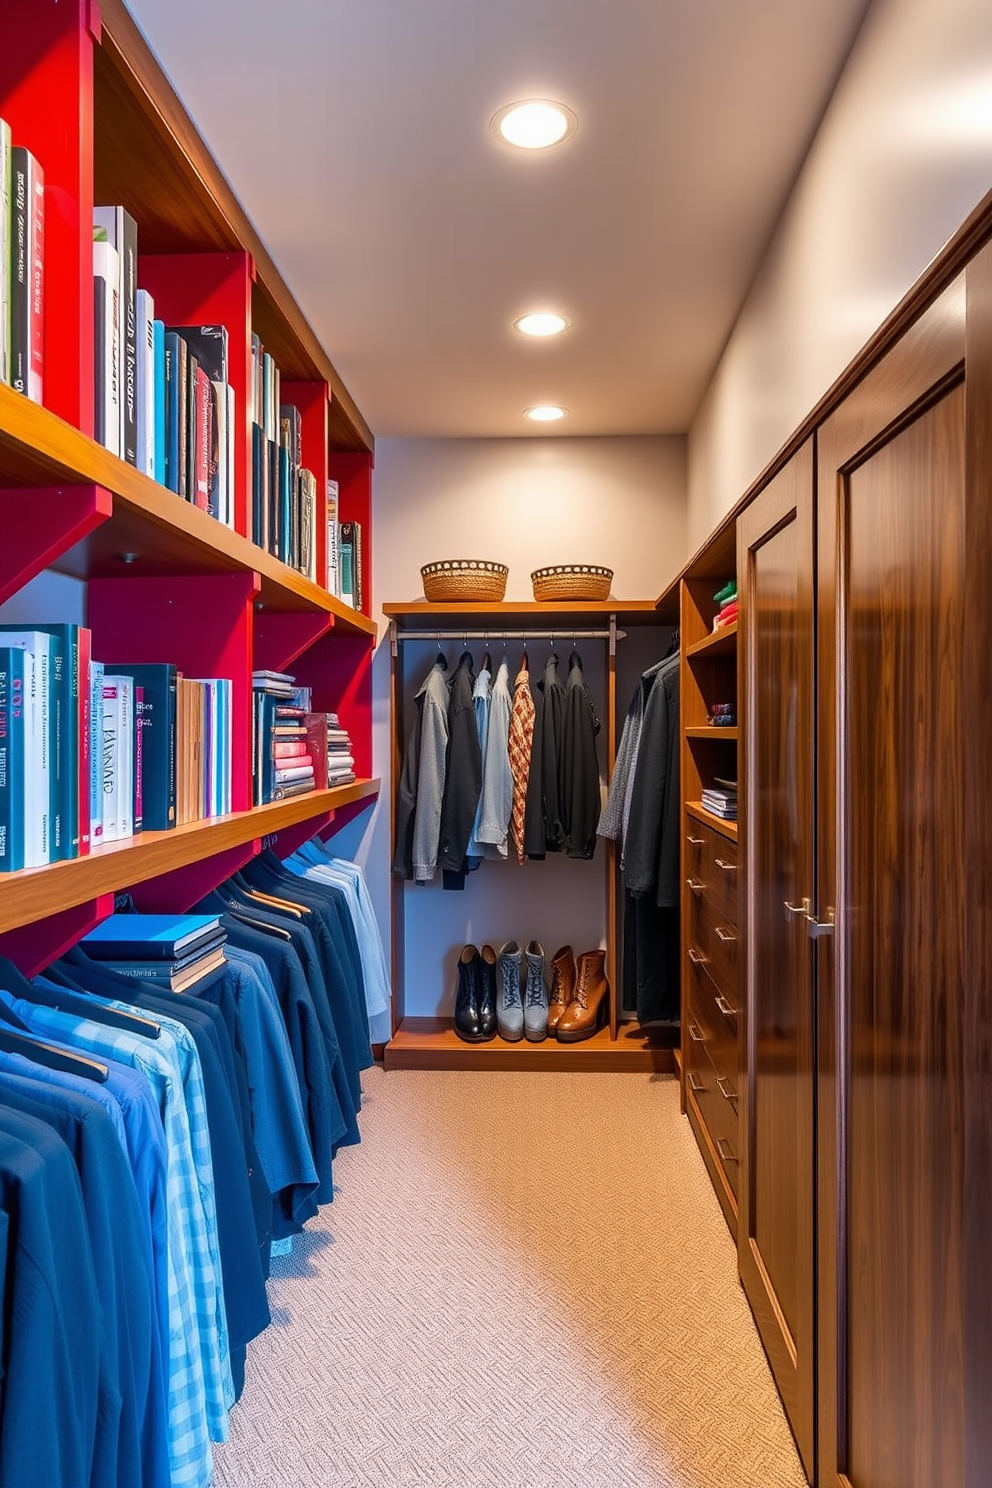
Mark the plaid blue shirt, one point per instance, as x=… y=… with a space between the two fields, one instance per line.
x=200 y=1385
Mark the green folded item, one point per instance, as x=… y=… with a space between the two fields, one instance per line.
x=728 y=592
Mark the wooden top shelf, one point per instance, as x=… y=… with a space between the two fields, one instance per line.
x=722 y=642
x=32 y=893
x=169 y=535
x=710 y=731
x=516 y=614
x=727 y=828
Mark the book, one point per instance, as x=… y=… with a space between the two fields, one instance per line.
x=5 y=225
x=122 y=234
x=292 y=788
x=204 y=458
x=39 y=776
x=66 y=708
x=157 y=723
x=110 y=757
x=145 y=395
x=301 y=771
x=12 y=668
x=346 y=571
x=158 y=328
x=351 y=543
x=136 y=796
x=192 y=432
x=209 y=345
x=118 y=743
x=84 y=773
x=176 y=373
x=150 y=937
x=96 y=751
x=179 y=980
x=228 y=445
x=316 y=746
x=106 y=304
x=27 y=273
x=308 y=525
x=333 y=561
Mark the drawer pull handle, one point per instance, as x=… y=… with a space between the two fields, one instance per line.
x=726 y=1089
x=727 y=867
x=725 y=1008
x=727 y=1156
x=727 y=936
x=802 y=908
x=696 y=957
x=695 y=1035
x=694 y=1082
x=695 y=885
x=695 y=841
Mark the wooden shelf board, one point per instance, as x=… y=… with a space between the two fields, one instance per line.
x=727 y=829
x=515 y=614
x=722 y=642
x=33 y=893
x=431 y=1043
x=709 y=731
x=169 y=535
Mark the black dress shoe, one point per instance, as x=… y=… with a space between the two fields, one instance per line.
x=467 y=1023
x=488 y=992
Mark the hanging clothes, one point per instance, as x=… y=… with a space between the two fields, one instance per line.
x=421 y=790
x=463 y=775
x=543 y=829
x=579 y=790
x=482 y=703
x=496 y=804
x=521 y=740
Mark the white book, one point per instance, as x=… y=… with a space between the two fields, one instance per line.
x=96 y=751
x=106 y=266
x=38 y=717
x=231 y=429
x=4 y=251
x=125 y=800
x=333 y=532
x=110 y=756
x=146 y=382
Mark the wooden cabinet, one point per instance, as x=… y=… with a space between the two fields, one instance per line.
x=164 y=580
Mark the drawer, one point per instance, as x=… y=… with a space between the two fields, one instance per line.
x=712 y=942
x=716 y=1112
x=716 y=1017
x=711 y=868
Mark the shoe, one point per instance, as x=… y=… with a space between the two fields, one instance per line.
x=535 y=995
x=488 y=992
x=509 y=1007
x=562 y=987
x=467 y=1024
x=590 y=1007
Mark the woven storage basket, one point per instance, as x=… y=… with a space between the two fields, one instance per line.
x=571 y=581
x=470 y=579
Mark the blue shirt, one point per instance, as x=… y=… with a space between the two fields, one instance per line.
x=200 y=1386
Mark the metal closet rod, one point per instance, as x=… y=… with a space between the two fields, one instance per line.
x=565 y=634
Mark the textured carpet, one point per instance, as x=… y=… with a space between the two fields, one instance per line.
x=524 y=1281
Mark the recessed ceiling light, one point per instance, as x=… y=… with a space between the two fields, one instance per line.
x=546 y=413
x=541 y=323
x=534 y=124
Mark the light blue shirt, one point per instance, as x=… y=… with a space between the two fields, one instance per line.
x=201 y=1388
x=496 y=802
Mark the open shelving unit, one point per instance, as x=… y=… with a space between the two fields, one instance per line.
x=164 y=580
x=431 y=1043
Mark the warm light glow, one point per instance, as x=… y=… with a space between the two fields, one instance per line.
x=541 y=323
x=534 y=125
x=546 y=413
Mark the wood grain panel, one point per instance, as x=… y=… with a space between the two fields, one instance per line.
x=892 y=810
x=775 y=1236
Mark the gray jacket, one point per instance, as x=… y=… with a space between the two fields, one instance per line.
x=431 y=772
x=497 y=777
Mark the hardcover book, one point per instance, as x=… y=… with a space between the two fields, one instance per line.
x=5 y=224
x=158 y=739
x=150 y=937
x=107 y=303
x=158 y=328
x=40 y=789
x=12 y=667
x=27 y=273
x=122 y=233
x=145 y=395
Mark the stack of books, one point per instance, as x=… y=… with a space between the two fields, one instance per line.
x=283 y=764
x=170 y=951
x=163 y=401
x=340 y=756
x=22 y=268
x=284 y=492
x=721 y=801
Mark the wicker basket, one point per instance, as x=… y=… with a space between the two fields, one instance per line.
x=571 y=581
x=469 y=579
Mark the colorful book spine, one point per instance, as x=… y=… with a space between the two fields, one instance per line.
x=5 y=225
x=333 y=534
x=145 y=396
x=96 y=752
x=106 y=305
x=40 y=785
x=158 y=328
x=12 y=668
x=111 y=759
x=204 y=414
x=27 y=274
x=136 y=794
x=84 y=773
x=122 y=233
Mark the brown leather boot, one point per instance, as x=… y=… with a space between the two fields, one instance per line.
x=562 y=986
x=590 y=1007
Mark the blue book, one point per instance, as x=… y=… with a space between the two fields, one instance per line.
x=158 y=739
x=176 y=369
x=147 y=937
x=66 y=720
x=96 y=751
x=40 y=786
x=12 y=666
x=158 y=362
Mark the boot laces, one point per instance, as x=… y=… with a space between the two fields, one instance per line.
x=535 y=990
x=511 y=988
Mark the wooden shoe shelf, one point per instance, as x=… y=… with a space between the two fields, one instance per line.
x=164 y=581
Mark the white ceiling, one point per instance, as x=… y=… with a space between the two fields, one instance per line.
x=355 y=133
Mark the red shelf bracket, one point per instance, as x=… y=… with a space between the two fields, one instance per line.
x=33 y=947
x=281 y=638
x=39 y=524
x=175 y=892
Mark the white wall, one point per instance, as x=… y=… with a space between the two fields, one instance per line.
x=902 y=157
x=525 y=502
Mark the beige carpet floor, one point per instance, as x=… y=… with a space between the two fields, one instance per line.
x=524 y=1281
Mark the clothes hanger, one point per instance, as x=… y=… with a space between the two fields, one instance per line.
x=487 y=661
x=242 y=886
x=112 y=1017
x=245 y=919
x=52 y=1057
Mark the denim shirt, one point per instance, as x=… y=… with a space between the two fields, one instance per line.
x=496 y=802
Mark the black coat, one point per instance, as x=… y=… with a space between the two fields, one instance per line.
x=463 y=771
x=651 y=850
x=544 y=831
x=579 y=791
x=406 y=797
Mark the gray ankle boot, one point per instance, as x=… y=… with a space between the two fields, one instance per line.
x=509 y=1005
x=535 y=995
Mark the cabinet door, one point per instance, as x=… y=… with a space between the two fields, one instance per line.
x=775 y=1229
x=892 y=810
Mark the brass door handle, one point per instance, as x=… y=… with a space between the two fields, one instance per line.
x=694 y=1083
x=696 y=957
x=695 y=841
x=802 y=908
x=695 y=1035
x=725 y=1008
x=727 y=867
x=727 y=936
x=726 y=1089
x=696 y=886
